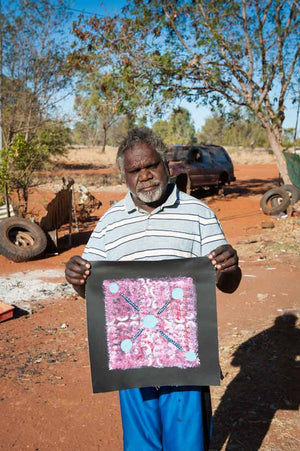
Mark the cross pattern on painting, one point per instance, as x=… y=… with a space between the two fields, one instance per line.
x=151 y=322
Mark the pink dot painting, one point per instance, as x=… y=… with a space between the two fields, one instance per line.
x=151 y=323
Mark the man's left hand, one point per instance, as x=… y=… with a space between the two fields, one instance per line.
x=225 y=260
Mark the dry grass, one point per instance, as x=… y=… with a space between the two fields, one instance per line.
x=93 y=155
x=243 y=155
x=90 y=155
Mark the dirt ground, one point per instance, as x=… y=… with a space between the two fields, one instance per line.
x=46 y=397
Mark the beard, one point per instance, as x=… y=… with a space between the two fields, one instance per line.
x=154 y=195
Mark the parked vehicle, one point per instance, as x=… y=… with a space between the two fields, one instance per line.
x=205 y=166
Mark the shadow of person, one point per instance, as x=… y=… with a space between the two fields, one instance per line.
x=267 y=381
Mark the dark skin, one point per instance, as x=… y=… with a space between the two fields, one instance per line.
x=143 y=167
x=146 y=176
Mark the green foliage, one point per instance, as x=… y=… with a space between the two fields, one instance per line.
x=90 y=133
x=179 y=129
x=217 y=52
x=289 y=138
x=33 y=64
x=54 y=137
x=161 y=128
x=120 y=129
x=34 y=72
x=212 y=132
x=23 y=158
x=236 y=130
x=83 y=134
x=101 y=100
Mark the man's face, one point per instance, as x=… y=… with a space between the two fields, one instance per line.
x=146 y=176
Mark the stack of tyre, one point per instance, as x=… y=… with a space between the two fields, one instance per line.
x=277 y=200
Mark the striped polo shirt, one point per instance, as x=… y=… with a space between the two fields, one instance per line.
x=182 y=227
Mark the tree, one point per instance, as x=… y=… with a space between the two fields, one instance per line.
x=181 y=126
x=33 y=64
x=103 y=96
x=83 y=133
x=34 y=73
x=236 y=52
x=212 y=132
x=99 y=103
x=247 y=133
x=179 y=129
x=234 y=129
x=23 y=158
x=121 y=128
x=161 y=128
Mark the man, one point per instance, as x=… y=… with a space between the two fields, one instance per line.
x=155 y=221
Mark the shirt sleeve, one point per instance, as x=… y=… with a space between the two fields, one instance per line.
x=95 y=248
x=211 y=232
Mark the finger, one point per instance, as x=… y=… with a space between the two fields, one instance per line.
x=77 y=270
x=225 y=257
x=79 y=261
x=75 y=278
x=78 y=264
x=219 y=250
x=80 y=270
x=227 y=264
x=222 y=256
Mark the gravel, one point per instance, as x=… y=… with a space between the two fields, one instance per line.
x=23 y=288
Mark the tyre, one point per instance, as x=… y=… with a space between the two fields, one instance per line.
x=223 y=179
x=293 y=192
x=183 y=183
x=267 y=201
x=21 y=240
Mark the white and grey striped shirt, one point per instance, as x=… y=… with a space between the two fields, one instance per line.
x=182 y=227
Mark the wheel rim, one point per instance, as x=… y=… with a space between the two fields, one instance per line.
x=21 y=238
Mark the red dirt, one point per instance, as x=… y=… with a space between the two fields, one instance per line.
x=46 y=397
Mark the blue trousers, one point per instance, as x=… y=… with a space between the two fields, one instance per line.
x=163 y=418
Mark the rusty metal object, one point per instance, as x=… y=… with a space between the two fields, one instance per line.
x=59 y=210
x=86 y=203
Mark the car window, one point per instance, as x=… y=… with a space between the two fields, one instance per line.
x=205 y=157
x=219 y=156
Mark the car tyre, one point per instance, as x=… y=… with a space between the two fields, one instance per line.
x=183 y=183
x=21 y=240
x=293 y=192
x=267 y=202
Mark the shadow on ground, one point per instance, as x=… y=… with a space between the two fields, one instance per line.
x=77 y=240
x=267 y=381
x=64 y=243
x=78 y=166
x=252 y=186
x=242 y=188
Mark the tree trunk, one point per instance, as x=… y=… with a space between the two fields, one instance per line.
x=278 y=152
x=104 y=139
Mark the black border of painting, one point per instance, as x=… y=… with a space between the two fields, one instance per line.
x=203 y=274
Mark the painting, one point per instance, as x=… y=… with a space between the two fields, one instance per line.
x=152 y=323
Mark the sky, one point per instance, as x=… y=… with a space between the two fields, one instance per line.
x=199 y=113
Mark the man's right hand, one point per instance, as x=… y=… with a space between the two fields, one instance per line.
x=77 y=270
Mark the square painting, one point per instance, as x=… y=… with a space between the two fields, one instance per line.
x=152 y=324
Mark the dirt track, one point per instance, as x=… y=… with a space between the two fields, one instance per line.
x=46 y=390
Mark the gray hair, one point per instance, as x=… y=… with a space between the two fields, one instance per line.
x=140 y=135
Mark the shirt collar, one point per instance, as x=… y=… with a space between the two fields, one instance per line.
x=170 y=201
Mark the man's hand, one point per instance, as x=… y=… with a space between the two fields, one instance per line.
x=226 y=262
x=224 y=258
x=77 y=270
